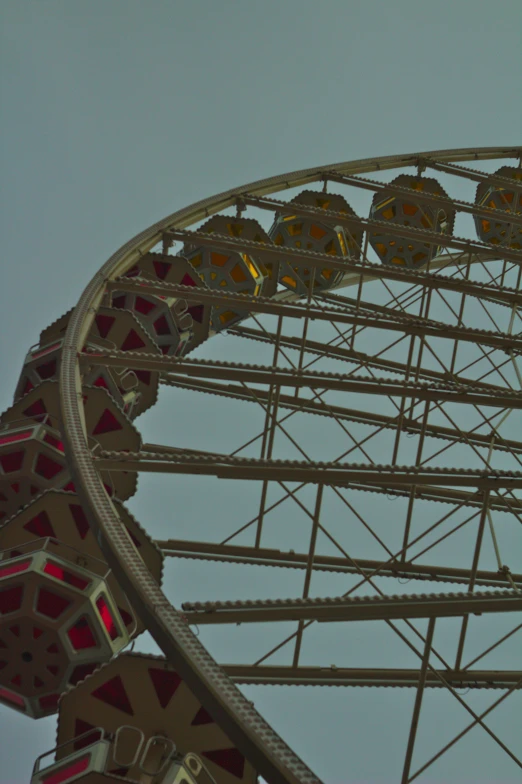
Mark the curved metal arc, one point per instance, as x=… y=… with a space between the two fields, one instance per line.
x=245 y=727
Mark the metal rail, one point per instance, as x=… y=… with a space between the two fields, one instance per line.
x=284 y=377
x=385 y=678
x=225 y=467
x=380 y=318
x=358 y=608
x=432 y=199
x=367 y=268
x=345 y=314
x=318 y=408
x=464 y=246
x=262 y=556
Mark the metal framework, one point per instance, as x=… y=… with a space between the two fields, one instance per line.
x=415 y=376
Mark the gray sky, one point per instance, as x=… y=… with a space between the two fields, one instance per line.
x=116 y=113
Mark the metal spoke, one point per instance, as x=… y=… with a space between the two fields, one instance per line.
x=309 y=569
x=418 y=701
x=473 y=576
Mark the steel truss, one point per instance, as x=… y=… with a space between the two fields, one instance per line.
x=454 y=386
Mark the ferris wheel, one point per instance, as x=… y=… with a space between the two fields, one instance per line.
x=353 y=426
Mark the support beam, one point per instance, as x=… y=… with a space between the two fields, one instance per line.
x=446 y=495
x=359 y=608
x=258 y=556
x=461 y=244
x=271 y=675
x=314 y=407
x=365 y=314
x=385 y=318
x=428 y=280
x=293 y=471
x=426 y=198
x=418 y=702
x=469 y=174
x=343 y=354
x=301 y=379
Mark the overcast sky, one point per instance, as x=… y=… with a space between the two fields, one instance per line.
x=115 y=113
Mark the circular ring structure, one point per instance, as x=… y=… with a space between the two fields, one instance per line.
x=262 y=746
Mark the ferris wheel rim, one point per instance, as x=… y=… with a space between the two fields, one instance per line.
x=272 y=758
